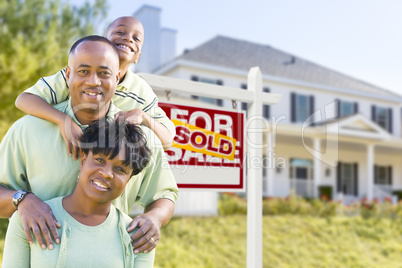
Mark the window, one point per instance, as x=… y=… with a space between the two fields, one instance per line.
x=302 y=106
x=265 y=108
x=382 y=116
x=346 y=108
x=244 y=104
x=383 y=175
x=218 y=102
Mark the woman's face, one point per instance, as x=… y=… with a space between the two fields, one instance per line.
x=101 y=178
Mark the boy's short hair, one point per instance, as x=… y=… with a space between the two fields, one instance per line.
x=93 y=38
x=108 y=138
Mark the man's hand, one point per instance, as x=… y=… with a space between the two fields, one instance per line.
x=147 y=236
x=37 y=215
x=72 y=134
x=134 y=116
x=157 y=214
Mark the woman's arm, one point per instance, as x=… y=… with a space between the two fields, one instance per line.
x=16 y=252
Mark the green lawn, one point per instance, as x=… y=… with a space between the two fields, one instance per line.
x=288 y=241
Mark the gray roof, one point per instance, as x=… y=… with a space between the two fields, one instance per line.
x=242 y=55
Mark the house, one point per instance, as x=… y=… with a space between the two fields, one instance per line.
x=331 y=133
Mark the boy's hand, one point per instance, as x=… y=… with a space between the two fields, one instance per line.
x=72 y=134
x=134 y=116
x=37 y=216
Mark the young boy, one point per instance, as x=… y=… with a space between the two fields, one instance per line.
x=133 y=95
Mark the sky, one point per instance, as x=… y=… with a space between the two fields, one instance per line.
x=360 y=38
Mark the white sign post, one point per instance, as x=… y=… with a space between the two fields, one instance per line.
x=255 y=99
x=254 y=177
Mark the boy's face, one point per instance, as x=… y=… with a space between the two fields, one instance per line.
x=127 y=33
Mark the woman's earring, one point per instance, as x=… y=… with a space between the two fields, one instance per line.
x=78 y=176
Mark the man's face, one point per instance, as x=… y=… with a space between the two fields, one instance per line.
x=127 y=33
x=92 y=75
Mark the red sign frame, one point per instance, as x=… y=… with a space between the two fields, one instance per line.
x=220 y=123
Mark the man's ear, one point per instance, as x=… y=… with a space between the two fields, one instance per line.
x=68 y=71
x=118 y=77
x=137 y=57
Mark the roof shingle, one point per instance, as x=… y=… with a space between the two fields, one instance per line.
x=238 y=54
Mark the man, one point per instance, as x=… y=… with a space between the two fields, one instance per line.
x=133 y=95
x=34 y=157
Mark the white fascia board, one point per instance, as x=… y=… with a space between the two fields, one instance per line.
x=158 y=82
x=392 y=142
x=209 y=67
x=330 y=131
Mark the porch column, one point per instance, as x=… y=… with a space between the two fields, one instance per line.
x=270 y=166
x=317 y=166
x=370 y=175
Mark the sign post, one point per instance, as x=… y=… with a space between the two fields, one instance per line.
x=254 y=174
x=208 y=141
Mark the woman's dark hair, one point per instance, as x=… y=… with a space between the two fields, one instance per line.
x=102 y=137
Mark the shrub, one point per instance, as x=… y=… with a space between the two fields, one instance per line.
x=325 y=192
x=230 y=204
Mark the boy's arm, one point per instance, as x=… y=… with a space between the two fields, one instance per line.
x=138 y=117
x=36 y=106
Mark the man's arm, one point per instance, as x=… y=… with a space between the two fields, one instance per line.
x=36 y=106
x=156 y=190
x=35 y=215
x=155 y=216
x=7 y=207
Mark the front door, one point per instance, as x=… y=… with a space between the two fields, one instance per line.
x=301 y=177
x=347 y=178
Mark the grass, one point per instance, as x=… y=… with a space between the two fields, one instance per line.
x=3 y=228
x=288 y=241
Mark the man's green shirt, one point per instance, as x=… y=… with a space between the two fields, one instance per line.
x=33 y=157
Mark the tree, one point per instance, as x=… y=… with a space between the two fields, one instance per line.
x=35 y=36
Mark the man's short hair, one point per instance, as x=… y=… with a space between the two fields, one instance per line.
x=93 y=38
x=108 y=138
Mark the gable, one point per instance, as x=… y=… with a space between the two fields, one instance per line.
x=357 y=126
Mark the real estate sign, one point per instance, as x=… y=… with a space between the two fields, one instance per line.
x=208 y=149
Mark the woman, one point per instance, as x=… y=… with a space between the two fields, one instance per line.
x=93 y=232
